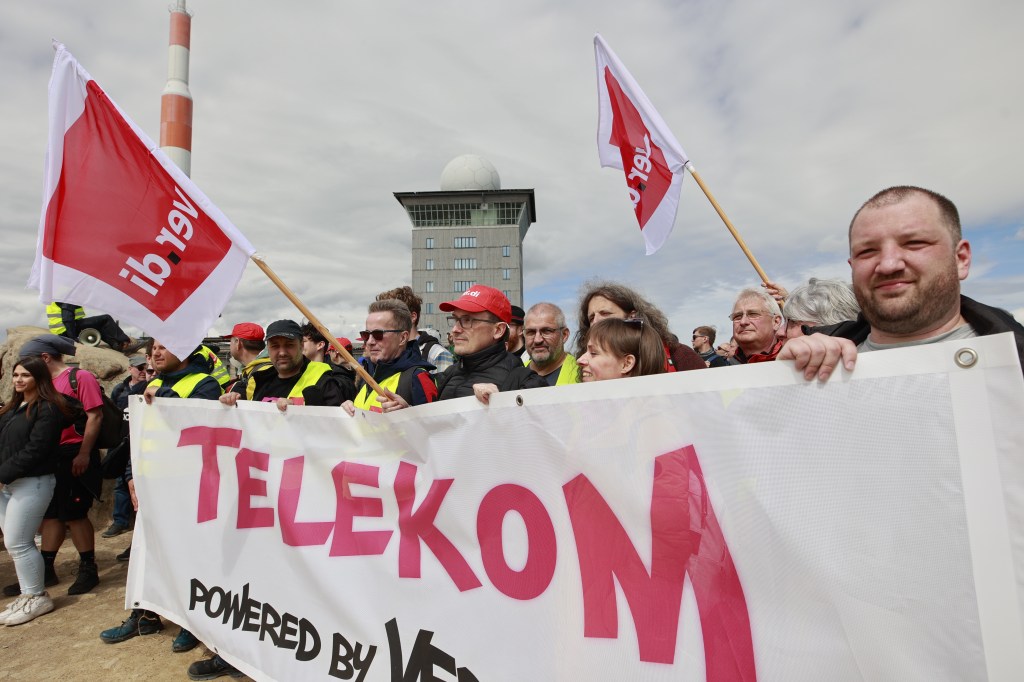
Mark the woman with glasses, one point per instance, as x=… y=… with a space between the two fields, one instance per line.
x=30 y=430
x=621 y=348
x=607 y=299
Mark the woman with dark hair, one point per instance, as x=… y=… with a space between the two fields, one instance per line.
x=608 y=299
x=30 y=428
x=621 y=348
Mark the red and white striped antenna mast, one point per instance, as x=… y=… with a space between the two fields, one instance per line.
x=176 y=101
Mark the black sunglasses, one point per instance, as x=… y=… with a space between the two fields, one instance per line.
x=377 y=334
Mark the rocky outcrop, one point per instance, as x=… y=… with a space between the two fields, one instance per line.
x=108 y=365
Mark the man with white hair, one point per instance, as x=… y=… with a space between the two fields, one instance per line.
x=819 y=302
x=756 y=319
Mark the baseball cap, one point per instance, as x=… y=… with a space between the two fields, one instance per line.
x=517 y=315
x=480 y=298
x=137 y=361
x=47 y=343
x=246 y=330
x=345 y=343
x=286 y=328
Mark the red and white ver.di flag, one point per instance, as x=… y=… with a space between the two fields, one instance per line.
x=123 y=229
x=633 y=137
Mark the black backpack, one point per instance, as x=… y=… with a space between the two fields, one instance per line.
x=112 y=427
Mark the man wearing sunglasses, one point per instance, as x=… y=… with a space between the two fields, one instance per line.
x=392 y=361
x=479 y=322
x=704 y=344
x=295 y=380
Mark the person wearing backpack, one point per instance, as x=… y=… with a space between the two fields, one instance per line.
x=78 y=473
x=399 y=369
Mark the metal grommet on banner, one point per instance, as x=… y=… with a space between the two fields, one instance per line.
x=966 y=357
x=519 y=400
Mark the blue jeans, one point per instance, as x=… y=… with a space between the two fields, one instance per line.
x=22 y=504
x=122 y=503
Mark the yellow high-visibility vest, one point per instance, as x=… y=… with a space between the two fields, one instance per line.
x=184 y=386
x=56 y=320
x=569 y=372
x=313 y=372
x=368 y=400
x=219 y=371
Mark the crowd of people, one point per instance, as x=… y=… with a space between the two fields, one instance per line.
x=907 y=257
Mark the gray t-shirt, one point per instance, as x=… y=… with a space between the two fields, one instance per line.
x=964 y=331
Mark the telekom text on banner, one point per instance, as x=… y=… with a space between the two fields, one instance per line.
x=732 y=525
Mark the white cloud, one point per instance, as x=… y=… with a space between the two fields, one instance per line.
x=308 y=116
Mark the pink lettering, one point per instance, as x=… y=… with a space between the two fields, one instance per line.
x=536 y=575
x=249 y=487
x=297 y=533
x=348 y=542
x=418 y=524
x=685 y=538
x=209 y=480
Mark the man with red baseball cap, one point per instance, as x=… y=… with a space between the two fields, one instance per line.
x=479 y=322
x=247 y=348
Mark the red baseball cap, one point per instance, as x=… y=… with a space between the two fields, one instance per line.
x=345 y=343
x=246 y=330
x=480 y=298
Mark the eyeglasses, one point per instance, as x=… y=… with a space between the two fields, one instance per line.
x=546 y=332
x=377 y=334
x=467 y=322
x=752 y=315
x=698 y=336
x=150 y=370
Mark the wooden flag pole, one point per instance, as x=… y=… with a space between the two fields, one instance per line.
x=319 y=326
x=725 y=219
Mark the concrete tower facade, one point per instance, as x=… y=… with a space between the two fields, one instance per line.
x=176 y=101
x=470 y=232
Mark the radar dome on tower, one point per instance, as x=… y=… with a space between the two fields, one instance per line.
x=469 y=171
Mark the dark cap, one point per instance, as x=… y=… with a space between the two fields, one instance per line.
x=286 y=328
x=480 y=298
x=47 y=343
x=246 y=330
x=137 y=361
x=517 y=315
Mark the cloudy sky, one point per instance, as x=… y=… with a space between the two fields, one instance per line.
x=308 y=115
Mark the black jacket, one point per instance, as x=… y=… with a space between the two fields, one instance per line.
x=28 y=445
x=492 y=365
x=985 y=320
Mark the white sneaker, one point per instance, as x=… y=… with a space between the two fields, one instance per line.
x=33 y=606
x=11 y=608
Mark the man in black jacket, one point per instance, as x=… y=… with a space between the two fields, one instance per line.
x=908 y=257
x=479 y=321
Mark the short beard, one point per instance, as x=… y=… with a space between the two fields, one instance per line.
x=911 y=316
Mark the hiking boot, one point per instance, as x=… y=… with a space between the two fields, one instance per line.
x=87 y=579
x=114 y=530
x=49 y=580
x=212 y=668
x=29 y=607
x=133 y=345
x=138 y=623
x=185 y=641
x=125 y=555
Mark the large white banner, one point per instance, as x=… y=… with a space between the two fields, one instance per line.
x=735 y=524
